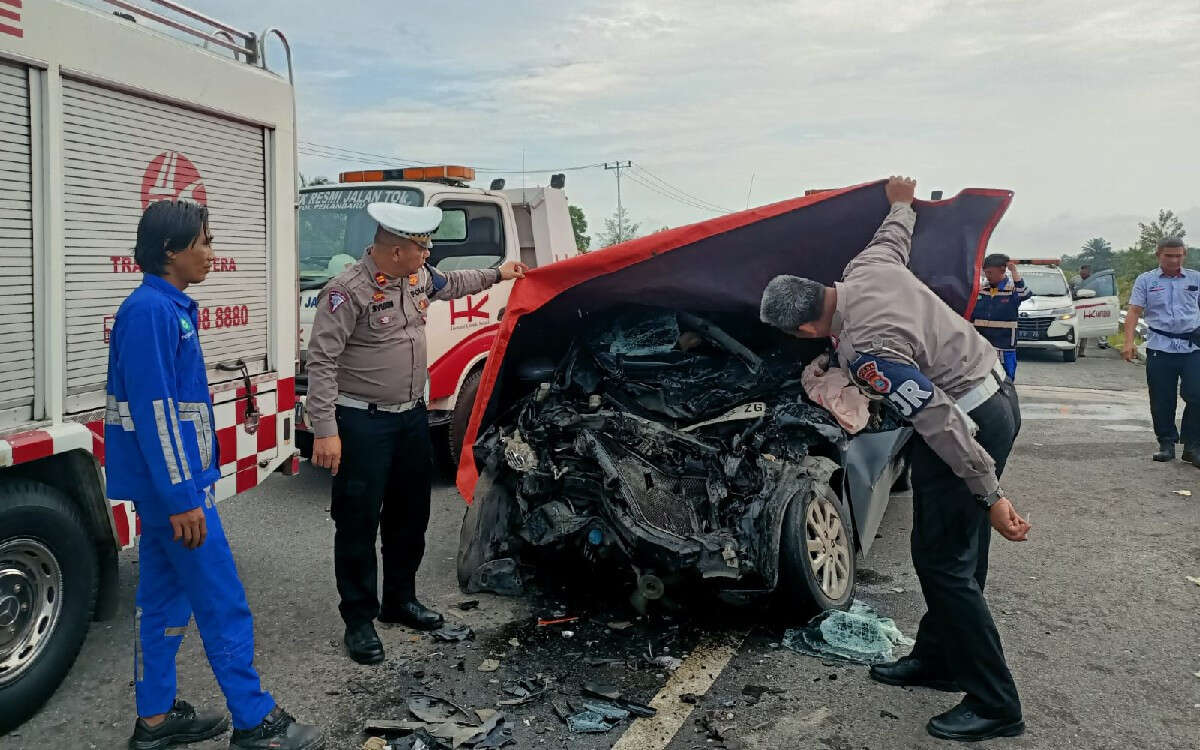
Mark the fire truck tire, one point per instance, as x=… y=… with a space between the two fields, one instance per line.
x=462 y=416
x=48 y=584
x=816 y=555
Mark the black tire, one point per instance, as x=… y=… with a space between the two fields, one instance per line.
x=462 y=417
x=304 y=443
x=800 y=591
x=1070 y=355
x=41 y=529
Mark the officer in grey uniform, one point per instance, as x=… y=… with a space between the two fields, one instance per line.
x=899 y=341
x=366 y=378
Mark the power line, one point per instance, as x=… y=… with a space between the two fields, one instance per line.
x=668 y=186
x=617 y=165
x=352 y=154
x=692 y=204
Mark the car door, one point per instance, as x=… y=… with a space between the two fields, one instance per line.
x=1098 y=314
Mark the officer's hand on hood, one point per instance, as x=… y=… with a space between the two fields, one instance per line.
x=513 y=270
x=1004 y=518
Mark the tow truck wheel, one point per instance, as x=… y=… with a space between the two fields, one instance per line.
x=48 y=582
x=816 y=555
x=462 y=417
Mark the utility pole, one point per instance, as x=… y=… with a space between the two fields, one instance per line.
x=619 y=165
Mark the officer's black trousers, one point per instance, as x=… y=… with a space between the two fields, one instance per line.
x=950 y=538
x=383 y=484
x=1168 y=375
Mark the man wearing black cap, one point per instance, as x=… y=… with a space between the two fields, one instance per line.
x=366 y=381
x=900 y=342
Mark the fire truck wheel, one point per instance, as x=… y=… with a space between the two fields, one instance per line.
x=462 y=416
x=816 y=555
x=48 y=581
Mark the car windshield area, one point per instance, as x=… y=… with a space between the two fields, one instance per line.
x=335 y=228
x=1045 y=284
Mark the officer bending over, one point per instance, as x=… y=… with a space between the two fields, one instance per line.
x=900 y=341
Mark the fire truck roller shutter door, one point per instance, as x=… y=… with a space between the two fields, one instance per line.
x=16 y=248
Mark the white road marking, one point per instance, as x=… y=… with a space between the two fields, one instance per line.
x=1086 y=412
x=696 y=675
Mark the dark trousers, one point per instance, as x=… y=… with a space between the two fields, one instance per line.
x=383 y=484
x=950 y=539
x=1168 y=375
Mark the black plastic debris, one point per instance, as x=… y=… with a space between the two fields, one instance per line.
x=453 y=632
x=468 y=605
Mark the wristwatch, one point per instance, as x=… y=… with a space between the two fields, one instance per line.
x=988 y=500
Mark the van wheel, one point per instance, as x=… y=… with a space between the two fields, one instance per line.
x=48 y=583
x=816 y=555
x=1069 y=355
x=462 y=416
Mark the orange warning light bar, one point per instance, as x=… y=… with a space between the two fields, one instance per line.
x=1038 y=261
x=446 y=173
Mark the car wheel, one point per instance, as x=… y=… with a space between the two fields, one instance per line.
x=462 y=416
x=48 y=582
x=1069 y=355
x=817 y=565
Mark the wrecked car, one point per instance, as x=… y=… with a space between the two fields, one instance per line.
x=635 y=417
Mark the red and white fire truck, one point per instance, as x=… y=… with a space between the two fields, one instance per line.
x=101 y=114
x=480 y=229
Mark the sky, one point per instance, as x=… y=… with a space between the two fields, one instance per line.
x=1089 y=110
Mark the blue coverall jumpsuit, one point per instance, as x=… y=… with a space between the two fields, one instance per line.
x=995 y=317
x=161 y=453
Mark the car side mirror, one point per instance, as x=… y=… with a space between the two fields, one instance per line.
x=1085 y=294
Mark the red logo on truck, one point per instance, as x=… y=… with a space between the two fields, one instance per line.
x=474 y=310
x=172 y=176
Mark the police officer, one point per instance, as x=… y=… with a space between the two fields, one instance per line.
x=995 y=314
x=162 y=455
x=901 y=342
x=1169 y=298
x=366 y=379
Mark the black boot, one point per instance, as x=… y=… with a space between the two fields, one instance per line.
x=278 y=731
x=1191 y=455
x=181 y=726
x=911 y=671
x=413 y=614
x=1166 y=451
x=963 y=724
x=363 y=643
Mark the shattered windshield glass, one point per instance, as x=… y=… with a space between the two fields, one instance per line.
x=664 y=439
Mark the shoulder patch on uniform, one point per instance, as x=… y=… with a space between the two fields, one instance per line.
x=904 y=385
x=336 y=300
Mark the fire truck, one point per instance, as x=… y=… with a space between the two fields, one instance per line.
x=480 y=229
x=101 y=114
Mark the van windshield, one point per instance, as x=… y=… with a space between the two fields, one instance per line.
x=335 y=228
x=1044 y=284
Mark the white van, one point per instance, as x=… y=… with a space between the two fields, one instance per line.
x=1054 y=319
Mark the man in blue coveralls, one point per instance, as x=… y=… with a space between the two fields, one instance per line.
x=995 y=315
x=162 y=454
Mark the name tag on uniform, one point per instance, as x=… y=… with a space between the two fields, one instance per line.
x=905 y=386
x=382 y=306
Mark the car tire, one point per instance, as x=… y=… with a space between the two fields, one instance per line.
x=812 y=582
x=462 y=416
x=1070 y=355
x=48 y=584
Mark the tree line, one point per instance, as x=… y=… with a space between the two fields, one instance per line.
x=1135 y=259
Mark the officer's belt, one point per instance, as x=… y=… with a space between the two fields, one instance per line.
x=353 y=403
x=975 y=397
x=996 y=323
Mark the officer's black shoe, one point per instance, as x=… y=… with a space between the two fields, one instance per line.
x=181 y=726
x=1166 y=451
x=1191 y=455
x=278 y=731
x=912 y=672
x=413 y=614
x=363 y=643
x=963 y=724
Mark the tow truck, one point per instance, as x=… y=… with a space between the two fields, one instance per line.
x=480 y=229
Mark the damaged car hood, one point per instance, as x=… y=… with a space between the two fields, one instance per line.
x=722 y=265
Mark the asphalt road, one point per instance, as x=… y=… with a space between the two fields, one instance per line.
x=1097 y=616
